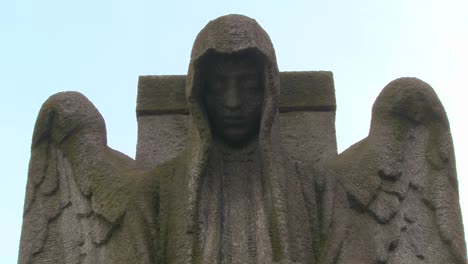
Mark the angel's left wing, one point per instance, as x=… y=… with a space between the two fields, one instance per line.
x=401 y=183
x=83 y=199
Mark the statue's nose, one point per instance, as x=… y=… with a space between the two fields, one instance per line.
x=233 y=98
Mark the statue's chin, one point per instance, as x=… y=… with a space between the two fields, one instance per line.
x=238 y=137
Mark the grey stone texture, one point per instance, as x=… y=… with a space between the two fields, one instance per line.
x=401 y=182
x=307 y=117
x=286 y=196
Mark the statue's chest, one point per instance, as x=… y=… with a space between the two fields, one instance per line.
x=232 y=212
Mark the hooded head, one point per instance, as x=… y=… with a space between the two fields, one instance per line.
x=229 y=47
x=232 y=41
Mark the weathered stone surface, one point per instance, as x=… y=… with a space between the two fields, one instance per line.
x=300 y=91
x=401 y=183
x=307 y=116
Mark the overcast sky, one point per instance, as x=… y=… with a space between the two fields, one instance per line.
x=99 y=48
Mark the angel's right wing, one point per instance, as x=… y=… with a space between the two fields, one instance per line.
x=78 y=189
x=401 y=183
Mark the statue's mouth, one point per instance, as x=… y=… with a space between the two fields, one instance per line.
x=234 y=120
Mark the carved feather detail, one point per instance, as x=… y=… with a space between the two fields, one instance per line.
x=401 y=182
x=70 y=163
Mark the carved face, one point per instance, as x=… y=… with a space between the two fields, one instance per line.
x=233 y=97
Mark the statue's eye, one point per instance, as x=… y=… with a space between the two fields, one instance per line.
x=250 y=82
x=214 y=85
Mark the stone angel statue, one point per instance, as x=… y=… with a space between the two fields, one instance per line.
x=230 y=170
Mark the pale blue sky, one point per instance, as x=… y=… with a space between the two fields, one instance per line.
x=99 y=48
